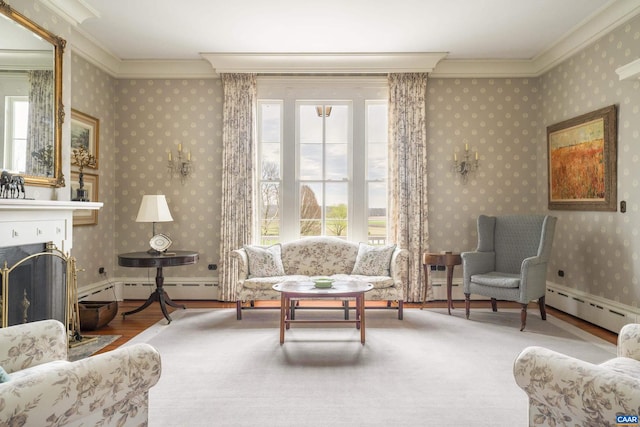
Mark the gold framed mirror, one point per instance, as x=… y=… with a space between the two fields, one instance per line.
x=31 y=90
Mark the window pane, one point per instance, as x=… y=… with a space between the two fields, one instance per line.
x=310 y=209
x=337 y=125
x=270 y=162
x=377 y=214
x=20 y=119
x=377 y=161
x=310 y=125
x=377 y=122
x=336 y=212
x=337 y=162
x=270 y=212
x=310 y=161
x=270 y=122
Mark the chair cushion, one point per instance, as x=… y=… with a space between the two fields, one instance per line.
x=497 y=280
x=378 y=282
x=261 y=283
x=264 y=261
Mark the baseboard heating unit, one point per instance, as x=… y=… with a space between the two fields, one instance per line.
x=605 y=313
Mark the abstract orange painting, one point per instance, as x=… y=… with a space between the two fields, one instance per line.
x=582 y=162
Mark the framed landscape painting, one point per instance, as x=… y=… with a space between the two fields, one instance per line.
x=582 y=157
x=85 y=132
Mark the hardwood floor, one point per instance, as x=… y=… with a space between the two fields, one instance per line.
x=134 y=324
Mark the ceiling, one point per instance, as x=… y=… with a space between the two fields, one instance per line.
x=463 y=30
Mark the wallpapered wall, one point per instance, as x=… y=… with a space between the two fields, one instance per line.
x=93 y=93
x=504 y=119
x=153 y=117
x=599 y=251
x=497 y=118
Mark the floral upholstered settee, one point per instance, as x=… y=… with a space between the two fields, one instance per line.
x=564 y=391
x=259 y=268
x=39 y=387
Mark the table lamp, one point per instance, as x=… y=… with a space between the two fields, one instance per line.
x=154 y=208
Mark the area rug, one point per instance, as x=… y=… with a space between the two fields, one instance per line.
x=430 y=369
x=89 y=345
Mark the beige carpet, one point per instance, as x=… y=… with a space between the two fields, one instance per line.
x=430 y=369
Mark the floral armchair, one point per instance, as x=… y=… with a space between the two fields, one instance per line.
x=39 y=387
x=564 y=391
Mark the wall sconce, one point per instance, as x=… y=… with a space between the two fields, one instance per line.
x=466 y=165
x=180 y=166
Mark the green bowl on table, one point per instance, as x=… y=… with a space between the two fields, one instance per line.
x=323 y=282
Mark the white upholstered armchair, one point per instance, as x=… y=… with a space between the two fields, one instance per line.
x=564 y=391
x=510 y=262
x=39 y=387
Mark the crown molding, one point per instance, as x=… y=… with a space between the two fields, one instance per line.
x=91 y=50
x=609 y=17
x=323 y=63
x=73 y=11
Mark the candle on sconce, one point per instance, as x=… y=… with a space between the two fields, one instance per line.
x=455 y=157
x=189 y=156
x=179 y=147
x=169 y=155
x=476 y=155
x=466 y=147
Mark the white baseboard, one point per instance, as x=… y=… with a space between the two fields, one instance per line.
x=187 y=288
x=602 y=312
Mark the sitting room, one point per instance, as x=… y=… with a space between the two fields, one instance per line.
x=348 y=213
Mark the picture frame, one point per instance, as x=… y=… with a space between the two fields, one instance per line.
x=582 y=162
x=85 y=216
x=85 y=132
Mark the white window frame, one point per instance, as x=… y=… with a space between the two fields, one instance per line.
x=291 y=90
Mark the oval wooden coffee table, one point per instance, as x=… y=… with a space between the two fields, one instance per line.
x=339 y=289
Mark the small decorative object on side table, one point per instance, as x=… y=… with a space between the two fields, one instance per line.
x=145 y=259
x=449 y=260
x=81 y=158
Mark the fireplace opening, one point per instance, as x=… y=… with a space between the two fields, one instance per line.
x=34 y=284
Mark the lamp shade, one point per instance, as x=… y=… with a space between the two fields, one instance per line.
x=154 y=208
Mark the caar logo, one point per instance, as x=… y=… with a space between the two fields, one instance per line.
x=627 y=420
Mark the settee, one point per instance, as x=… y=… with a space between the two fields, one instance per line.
x=565 y=391
x=259 y=268
x=39 y=387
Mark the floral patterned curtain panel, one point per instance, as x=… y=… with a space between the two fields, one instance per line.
x=238 y=169
x=408 y=174
x=40 y=130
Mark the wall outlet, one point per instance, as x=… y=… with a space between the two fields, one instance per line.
x=212 y=267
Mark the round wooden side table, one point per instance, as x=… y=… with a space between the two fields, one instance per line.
x=167 y=259
x=449 y=260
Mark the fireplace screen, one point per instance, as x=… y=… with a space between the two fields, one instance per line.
x=40 y=285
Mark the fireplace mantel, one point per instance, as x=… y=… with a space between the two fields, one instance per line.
x=24 y=222
x=22 y=204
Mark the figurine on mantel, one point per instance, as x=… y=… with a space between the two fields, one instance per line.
x=11 y=185
x=81 y=158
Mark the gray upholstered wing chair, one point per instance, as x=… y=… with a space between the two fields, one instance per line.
x=511 y=260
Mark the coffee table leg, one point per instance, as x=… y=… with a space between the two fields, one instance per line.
x=283 y=313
